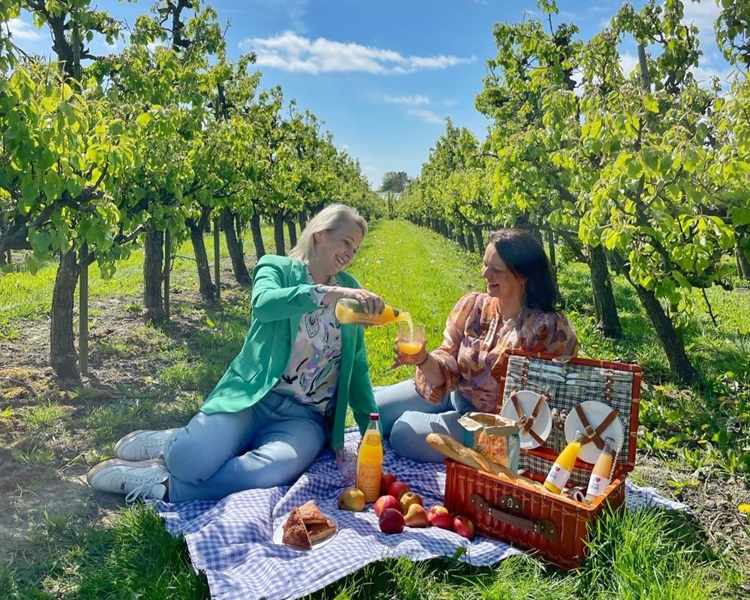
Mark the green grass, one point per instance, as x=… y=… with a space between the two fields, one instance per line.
x=649 y=554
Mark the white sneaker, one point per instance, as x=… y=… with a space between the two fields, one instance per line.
x=143 y=444
x=144 y=479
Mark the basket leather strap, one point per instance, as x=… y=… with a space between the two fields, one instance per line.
x=594 y=435
x=527 y=422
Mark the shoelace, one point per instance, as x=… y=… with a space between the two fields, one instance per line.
x=142 y=490
x=153 y=449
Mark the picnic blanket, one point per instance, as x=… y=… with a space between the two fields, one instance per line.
x=232 y=541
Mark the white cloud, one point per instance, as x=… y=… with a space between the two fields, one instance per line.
x=426 y=115
x=21 y=30
x=628 y=63
x=410 y=100
x=291 y=52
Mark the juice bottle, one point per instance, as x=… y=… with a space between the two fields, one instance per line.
x=349 y=310
x=563 y=467
x=370 y=460
x=600 y=473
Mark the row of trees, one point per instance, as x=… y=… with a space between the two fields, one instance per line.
x=645 y=174
x=148 y=147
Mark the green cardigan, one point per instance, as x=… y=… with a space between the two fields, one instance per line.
x=280 y=297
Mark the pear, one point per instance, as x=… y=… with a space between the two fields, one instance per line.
x=352 y=499
x=416 y=516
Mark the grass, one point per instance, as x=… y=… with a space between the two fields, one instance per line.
x=648 y=554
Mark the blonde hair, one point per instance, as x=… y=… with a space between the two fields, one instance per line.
x=330 y=218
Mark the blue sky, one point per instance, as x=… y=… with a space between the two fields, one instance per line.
x=382 y=74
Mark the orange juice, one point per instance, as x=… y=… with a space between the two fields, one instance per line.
x=563 y=467
x=349 y=310
x=370 y=461
x=600 y=473
x=409 y=347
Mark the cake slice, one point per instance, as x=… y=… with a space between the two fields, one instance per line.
x=311 y=514
x=320 y=531
x=295 y=532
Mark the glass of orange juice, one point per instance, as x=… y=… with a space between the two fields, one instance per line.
x=410 y=337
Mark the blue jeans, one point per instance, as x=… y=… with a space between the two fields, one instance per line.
x=408 y=418
x=268 y=444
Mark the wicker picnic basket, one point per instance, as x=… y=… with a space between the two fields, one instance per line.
x=554 y=525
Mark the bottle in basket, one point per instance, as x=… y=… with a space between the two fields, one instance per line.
x=370 y=460
x=600 y=473
x=563 y=467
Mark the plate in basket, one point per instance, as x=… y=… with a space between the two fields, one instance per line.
x=596 y=412
x=278 y=534
x=543 y=423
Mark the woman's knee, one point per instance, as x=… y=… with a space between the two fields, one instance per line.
x=408 y=437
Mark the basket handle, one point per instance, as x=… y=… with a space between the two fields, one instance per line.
x=543 y=527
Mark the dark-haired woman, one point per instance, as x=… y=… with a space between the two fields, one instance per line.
x=519 y=310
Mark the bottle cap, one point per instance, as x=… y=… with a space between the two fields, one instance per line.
x=374 y=417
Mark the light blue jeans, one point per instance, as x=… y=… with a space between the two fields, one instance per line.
x=408 y=418
x=268 y=444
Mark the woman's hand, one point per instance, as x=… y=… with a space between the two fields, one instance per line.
x=399 y=358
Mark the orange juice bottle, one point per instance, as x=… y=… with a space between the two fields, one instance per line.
x=600 y=473
x=370 y=460
x=349 y=310
x=563 y=467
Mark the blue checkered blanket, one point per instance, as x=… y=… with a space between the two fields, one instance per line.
x=231 y=541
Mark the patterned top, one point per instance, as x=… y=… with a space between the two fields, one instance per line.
x=475 y=337
x=312 y=374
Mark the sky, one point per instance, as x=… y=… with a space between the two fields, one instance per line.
x=383 y=75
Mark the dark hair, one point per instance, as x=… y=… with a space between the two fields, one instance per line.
x=524 y=256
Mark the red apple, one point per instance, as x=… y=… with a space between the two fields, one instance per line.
x=386 y=479
x=398 y=489
x=438 y=516
x=408 y=499
x=385 y=502
x=416 y=516
x=463 y=526
x=391 y=521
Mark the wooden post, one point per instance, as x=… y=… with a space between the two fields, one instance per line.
x=217 y=258
x=167 y=271
x=83 y=312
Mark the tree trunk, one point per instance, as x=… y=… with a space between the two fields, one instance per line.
x=302 y=219
x=608 y=321
x=292 y=232
x=63 y=357
x=206 y=287
x=743 y=265
x=551 y=246
x=153 y=277
x=460 y=237
x=470 y=241
x=234 y=248
x=260 y=249
x=278 y=234
x=673 y=345
x=480 y=238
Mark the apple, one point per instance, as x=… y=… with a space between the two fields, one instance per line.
x=391 y=521
x=386 y=479
x=398 y=489
x=352 y=499
x=438 y=516
x=416 y=516
x=385 y=502
x=463 y=526
x=408 y=499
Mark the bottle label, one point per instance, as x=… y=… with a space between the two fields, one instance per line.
x=368 y=480
x=558 y=476
x=597 y=485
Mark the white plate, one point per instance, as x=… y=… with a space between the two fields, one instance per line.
x=542 y=424
x=596 y=412
x=279 y=533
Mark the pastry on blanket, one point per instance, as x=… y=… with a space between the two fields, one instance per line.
x=295 y=532
x=320 y=531
x=311 y=514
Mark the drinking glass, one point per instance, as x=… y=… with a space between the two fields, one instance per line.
x=346 y=461
x=410 y=337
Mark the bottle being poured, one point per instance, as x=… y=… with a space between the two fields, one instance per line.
x=349 y=310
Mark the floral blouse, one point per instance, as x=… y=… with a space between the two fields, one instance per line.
x=475 y=337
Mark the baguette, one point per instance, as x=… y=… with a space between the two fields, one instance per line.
x=455 y=450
